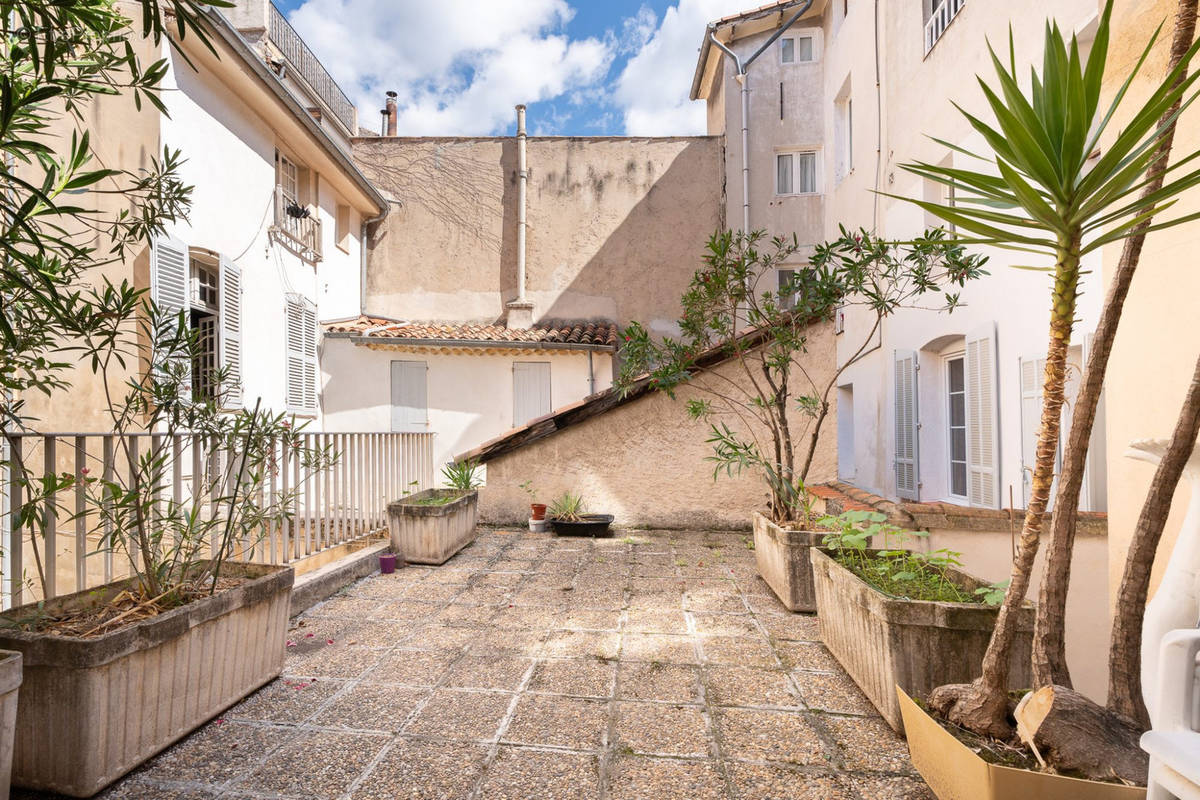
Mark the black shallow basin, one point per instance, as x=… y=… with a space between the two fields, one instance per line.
x=588 y=525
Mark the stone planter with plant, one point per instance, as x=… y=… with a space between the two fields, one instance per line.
x=569 y=517
x=431 y=526
x=898 y=617
x=765 y=406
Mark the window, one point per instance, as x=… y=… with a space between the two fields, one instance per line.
x=956 y=418
x=295 y=217
x=784 y=280
x=410 y=407
x=342 y=232
x=796 y=49
x=845 y=432
x=938 y=16
x=301 y=339
x=795 y=173
x=844 y=136
x=531 y=391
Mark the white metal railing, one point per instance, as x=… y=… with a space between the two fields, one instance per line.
x=943 y=14
x=303 y=231
x=309 y=69
x=340 y=503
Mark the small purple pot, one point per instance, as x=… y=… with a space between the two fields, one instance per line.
x=387 y=563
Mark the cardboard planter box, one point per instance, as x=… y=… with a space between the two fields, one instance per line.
x=93 y=709
x=782 y=557
x=955 y=772
x=431 y=533
x=885 y=642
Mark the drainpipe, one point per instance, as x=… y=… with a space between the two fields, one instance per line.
x=741 y=76
x=521 y=188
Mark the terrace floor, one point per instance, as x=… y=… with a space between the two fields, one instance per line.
x=657 y=665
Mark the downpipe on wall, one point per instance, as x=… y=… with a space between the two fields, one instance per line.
x=742 y=77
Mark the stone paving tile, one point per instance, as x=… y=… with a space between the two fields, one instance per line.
x=315 y=764
x=419 y=770
x=543 y=719
x=661 y=729
x=644 y=778
x=654 y=666
x=524 y=774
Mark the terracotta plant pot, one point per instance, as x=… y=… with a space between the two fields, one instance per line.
x=93 y=709
x=537 y=511
x=918 y=645
x=955 y=772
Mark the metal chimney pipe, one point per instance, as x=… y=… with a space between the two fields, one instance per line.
x=391 y=113
x=523 y=177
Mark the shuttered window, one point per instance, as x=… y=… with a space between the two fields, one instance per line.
x=410 y=407
x=907 y=478
x=301 y=339
x=531 y=391
x=230 y=297
x=170 y=279
x=983 y=472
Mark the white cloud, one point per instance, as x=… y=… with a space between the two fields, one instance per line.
x=459 y=66
x=652 y=90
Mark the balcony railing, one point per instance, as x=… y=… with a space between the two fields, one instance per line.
x=307 y=67
x=939 y=20
x=343 y=502
x=303 y=232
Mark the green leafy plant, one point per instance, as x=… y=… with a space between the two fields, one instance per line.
x=567 y=507
x=993 y=593
x=766 y=410
x=527 y=486
x=892 y=569
x=462 y=476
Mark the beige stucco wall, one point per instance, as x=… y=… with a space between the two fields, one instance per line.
x=617 y=226
x=1158 y=342
x=645 y=462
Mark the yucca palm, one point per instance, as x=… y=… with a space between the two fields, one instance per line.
x=1045 y=191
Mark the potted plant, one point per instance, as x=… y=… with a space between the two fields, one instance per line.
x=431 y=526
x=568 y=517
x=734 y=314
x=898 y=617
x=537 y=511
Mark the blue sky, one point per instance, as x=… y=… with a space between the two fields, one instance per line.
x=584 y=67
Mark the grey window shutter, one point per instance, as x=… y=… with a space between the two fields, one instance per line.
x=907 y=443
x=170 y=282
x=231 y=331
x=410 y=407
x=531 y=391
x=983 y=456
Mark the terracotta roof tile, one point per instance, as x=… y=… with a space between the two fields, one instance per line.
x=594 y=333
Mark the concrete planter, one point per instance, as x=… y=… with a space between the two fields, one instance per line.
x=955 y=772
x=10 y=683
x=93 y=709
x=885 y=642
x=430 y=534
x=783 y=562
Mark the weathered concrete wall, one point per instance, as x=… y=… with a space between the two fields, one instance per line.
x=645 y=462
x=1158 y=343
x=617 y=226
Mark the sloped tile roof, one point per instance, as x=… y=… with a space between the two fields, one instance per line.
x=592 y=333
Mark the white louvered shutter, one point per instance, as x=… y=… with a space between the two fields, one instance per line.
x=1095 y=497
x=301 y=339
x=410 y=408
x=907 y=443
x=531 y=391
x=983 y=456
x=170 y=282
x=1032 y=368
x=231 y=332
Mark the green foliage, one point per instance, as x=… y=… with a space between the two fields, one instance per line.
x=462 y=475
x=893 y=569
x=993 y=593
x=567 y=507
x=529 y=490
x=733 y=311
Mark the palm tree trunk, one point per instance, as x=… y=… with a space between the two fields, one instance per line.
x=1124 y=654
x=982 y=707
x=1049 y=640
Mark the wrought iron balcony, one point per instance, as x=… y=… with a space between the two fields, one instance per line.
x=307 y=69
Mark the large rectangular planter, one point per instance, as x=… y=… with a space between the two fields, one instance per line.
x=93 y=709
x=430 y=534
x=955 y=772
x=10 y=684
x=783 y=562
x=884 y=642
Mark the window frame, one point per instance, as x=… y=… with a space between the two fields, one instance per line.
x=812 y=49
x=817 y=177
x=960 y=355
